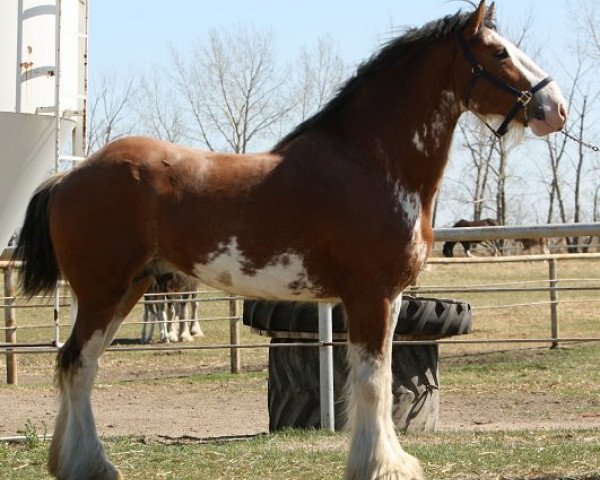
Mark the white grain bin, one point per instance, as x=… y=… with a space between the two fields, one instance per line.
x=29 y=94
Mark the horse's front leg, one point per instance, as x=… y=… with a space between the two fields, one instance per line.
x=174 y=323
x=375 y=452
x=148 y=320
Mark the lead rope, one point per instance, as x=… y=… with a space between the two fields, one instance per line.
x=585 y=144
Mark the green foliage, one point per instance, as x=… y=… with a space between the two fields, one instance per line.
x=32 y=439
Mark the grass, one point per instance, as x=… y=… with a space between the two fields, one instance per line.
x=571 y=371
x=316 y=455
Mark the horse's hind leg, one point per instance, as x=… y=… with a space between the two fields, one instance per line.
x=375 y=452
x=184 y=319
x=76 y=452
x=195 y=329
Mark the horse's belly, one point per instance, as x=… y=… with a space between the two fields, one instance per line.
x=284 y=277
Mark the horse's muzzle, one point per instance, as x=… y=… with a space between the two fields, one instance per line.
x=547 y=112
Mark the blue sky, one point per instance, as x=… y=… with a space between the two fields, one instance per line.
x=132 y=35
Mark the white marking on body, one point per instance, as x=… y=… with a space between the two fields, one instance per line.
x=407 y=202
x=283 y=278
x=417 y=248
x=438 y=128
x=418 y=143
x=448 y=98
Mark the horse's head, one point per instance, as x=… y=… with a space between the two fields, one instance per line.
x=504 y=82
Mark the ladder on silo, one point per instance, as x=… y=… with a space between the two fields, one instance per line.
x=79 y=141
x=79 y=150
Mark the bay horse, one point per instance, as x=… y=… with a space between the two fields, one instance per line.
x=448 y=249
x=339 y=209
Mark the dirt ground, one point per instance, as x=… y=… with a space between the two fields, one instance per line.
x=201 y=410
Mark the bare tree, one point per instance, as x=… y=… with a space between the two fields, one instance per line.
x=586 y=16
x=557 y=151
x=596 y=212
x=108 y=113
x=481 y=148
x=158 y=109
x=232 y=89
x=320 y=72
x=571 y=167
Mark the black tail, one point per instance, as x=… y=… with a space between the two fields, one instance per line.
x=40 y=272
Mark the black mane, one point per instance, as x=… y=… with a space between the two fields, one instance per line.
x=413 y=38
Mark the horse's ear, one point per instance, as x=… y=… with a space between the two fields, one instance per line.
x=475 y=21
x=490 y=16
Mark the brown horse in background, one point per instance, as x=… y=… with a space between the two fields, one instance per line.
x=534 y=244
x=448 y=249
x=340 y=209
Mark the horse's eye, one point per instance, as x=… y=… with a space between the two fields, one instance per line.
x=502 y=54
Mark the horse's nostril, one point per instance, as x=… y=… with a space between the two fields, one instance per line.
x=562 y=111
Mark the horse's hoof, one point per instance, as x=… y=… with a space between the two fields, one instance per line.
x=186 y=338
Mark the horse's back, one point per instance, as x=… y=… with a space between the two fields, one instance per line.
x=139 y=199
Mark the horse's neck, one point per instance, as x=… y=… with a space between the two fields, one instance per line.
x=409 y=119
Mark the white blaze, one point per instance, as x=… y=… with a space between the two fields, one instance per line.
x=550 y=97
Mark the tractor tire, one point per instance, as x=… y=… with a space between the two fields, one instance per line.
x=419 y=317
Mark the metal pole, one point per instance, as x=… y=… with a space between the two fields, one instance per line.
x=326 y=367
x=57 y=315
x=57 y=145
x=234 y=336
x=553 y=301
x=57 y=112
x=11 y=323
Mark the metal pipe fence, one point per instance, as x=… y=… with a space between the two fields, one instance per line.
x=10 y=302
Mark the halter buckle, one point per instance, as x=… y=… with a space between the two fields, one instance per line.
x=525 y=98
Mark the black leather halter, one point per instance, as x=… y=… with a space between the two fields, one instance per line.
x=523 y=97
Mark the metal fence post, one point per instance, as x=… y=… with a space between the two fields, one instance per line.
x=326 y=367
x=57 y=314
x=11 y=324
x=234 y=336
x=553 y=301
